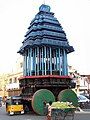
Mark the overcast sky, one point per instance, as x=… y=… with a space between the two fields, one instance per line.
x=74 y=16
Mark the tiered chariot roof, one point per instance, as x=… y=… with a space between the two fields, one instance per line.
x=45 y=29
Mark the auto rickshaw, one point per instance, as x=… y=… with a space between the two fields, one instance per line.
x=14 y=105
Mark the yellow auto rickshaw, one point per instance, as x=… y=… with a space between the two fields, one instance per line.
x=14 y=105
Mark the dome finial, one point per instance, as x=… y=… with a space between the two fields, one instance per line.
x=44 y=8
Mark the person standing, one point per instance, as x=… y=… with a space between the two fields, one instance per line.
x=49 y=111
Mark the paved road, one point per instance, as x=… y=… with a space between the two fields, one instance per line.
x=82 y=115
x=3 y=116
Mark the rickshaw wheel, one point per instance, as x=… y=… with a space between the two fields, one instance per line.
x=10 y=113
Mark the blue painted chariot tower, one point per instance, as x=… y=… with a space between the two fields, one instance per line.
x=45 y=68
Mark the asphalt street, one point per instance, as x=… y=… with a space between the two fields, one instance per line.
x=84 y=115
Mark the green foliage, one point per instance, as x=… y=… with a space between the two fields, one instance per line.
x=62 y=105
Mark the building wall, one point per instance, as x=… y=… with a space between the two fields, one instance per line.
x=13 y=81
x=82 y=81
x=3 y=82
x=13 y=84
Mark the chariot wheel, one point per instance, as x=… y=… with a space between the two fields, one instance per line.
x=39 y=98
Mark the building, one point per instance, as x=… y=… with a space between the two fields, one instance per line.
x=3 y=83
x=82 y=81
x=86 y=83
x=13 y=82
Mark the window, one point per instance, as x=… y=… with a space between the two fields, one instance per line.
x=10 y=80
x=15 y=80
x=21 y=65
